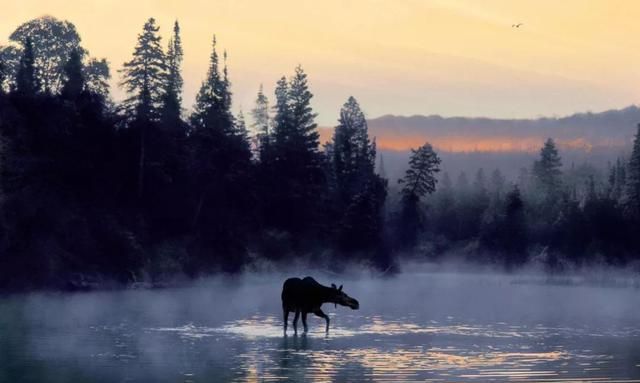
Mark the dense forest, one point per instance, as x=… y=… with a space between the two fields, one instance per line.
x=94 y=192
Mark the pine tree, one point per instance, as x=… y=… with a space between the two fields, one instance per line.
x=241 y=132
x=144 y=76
x=631 y=199
x=353 y=153
x=546 y=170
x=479 y=199
x=382 y=171
x=172 y=97
x=359 y=193
x=617 y=180
x=297 y=163
x=480 y=183
x=462 y=187
x=513 y=231
x=219 y=148
x=26 y=79
x=282 y=118
x=144 y=79
x=261 y=125
x=226 y=86
x=418 y=181
x=302 y=115
x=74 y=78
x=213 y=106
x=497 y=184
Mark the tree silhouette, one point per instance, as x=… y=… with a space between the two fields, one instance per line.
x=172 y=97
x=27 y=82
x=297 y=163
x=74 y=78
x=143 y=77
x=220 y=161
x=359 y=193
x=631 y=198
x=53 y=41
x=418 y=181
x=261 y=125
x=546 y=170
x=10 y=60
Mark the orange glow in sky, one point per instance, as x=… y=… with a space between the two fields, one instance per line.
x=453 y=57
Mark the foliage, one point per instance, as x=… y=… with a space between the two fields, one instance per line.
x=90 y=194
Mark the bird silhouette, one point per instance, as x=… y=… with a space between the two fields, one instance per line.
x=517 y=25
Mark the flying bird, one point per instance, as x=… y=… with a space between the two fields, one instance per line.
x=516 y=25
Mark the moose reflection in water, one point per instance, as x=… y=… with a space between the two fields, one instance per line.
x=303 y=296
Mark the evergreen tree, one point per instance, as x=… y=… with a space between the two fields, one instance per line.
x=546 y=170
x=220 y=167
x=241 y=132
x=97 y=75
x=144 y=76
x=261 y=125
x=297 y=163
x=282 y=118
x=382 y=171
x=144 y=79
x=514 y=232
x=479 y=202
x=631 y=200
x=302 y=116
x=617 y=180
x=172 y=97
x=358 y=193
x=418 y=181
x=213 y=109
x=353 y=153
x=497 y=183
x=462 y=187
x=480 y=183
x=26 y=79
x=445 y=210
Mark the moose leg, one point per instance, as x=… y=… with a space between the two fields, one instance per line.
x=286 y=319
x=321 y=314
x=304 y=321
x=295 y=322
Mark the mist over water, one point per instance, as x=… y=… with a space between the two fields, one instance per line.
x=416 y=326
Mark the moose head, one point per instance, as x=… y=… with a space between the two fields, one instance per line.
x=341 y=298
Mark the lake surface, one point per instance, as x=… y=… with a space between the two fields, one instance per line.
x=413 y=327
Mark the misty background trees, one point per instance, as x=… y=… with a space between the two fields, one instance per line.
x=147 y=189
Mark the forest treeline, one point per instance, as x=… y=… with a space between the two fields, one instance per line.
x=143 y=190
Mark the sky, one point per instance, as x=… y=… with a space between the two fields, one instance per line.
x=402 y=57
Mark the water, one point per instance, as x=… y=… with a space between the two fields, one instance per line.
x=416 y=327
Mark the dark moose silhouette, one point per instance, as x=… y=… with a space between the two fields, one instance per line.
x=306 y=296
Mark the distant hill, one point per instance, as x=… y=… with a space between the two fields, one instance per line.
x=612 y=128
x=585 y=131
x=466 y=143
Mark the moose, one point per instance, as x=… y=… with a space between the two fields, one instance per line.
x=306 y=296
